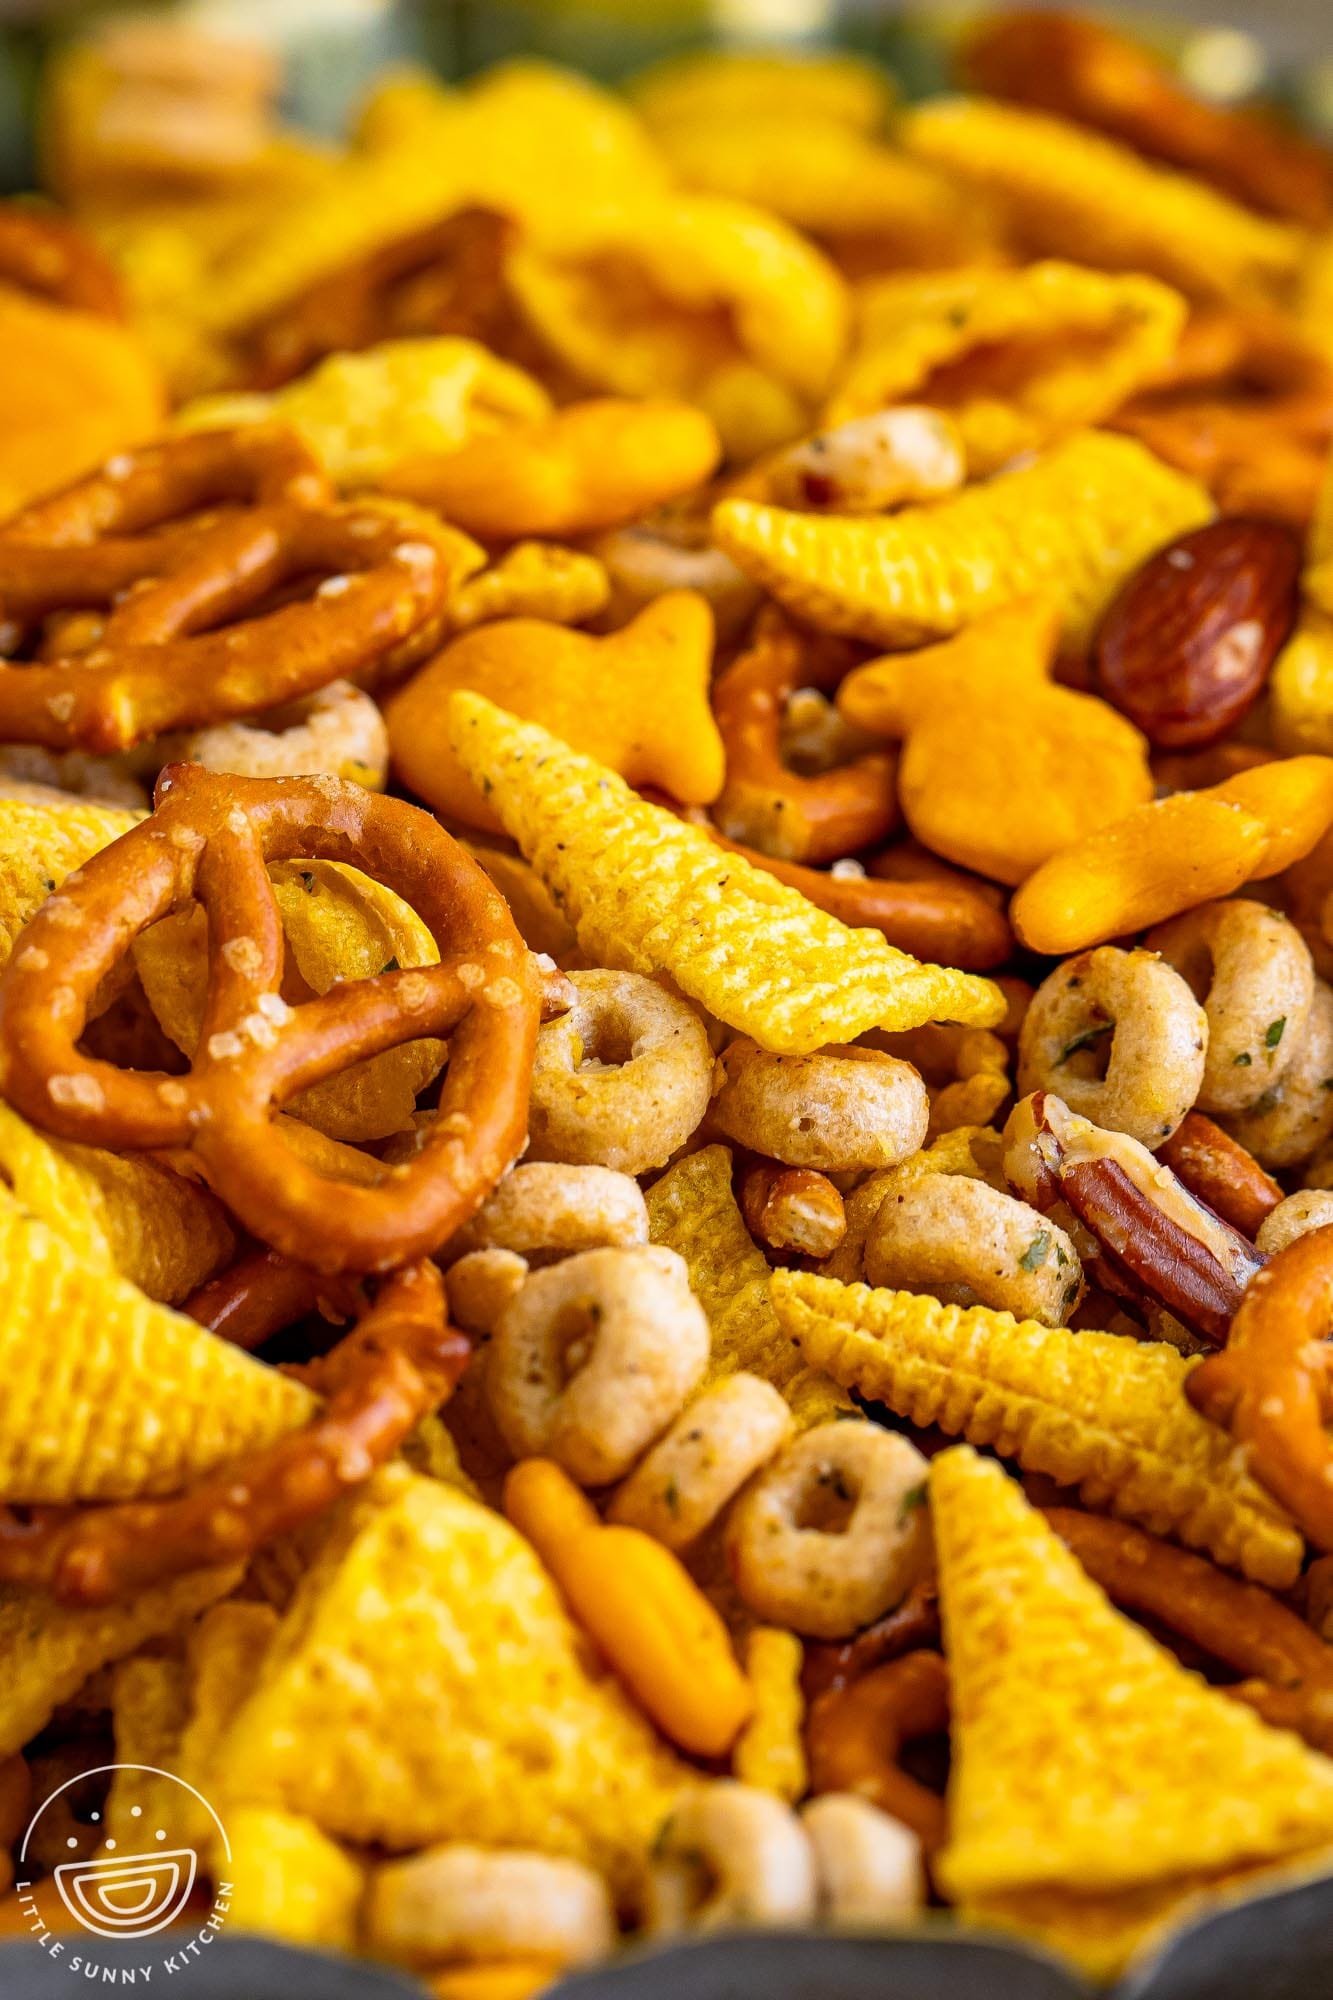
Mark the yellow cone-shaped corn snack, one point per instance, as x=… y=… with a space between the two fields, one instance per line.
x=1070 y=527
x=107 y=1395
x=1086 y=1760
x=1093 y=1410
x=39 y=846
x=427 y=1652
x=650 y=894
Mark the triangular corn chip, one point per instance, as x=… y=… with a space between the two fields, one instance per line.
x=290 y=1881
x=108 y=1396
x=648 y=893
x=1093 y=1410
x=39 y=846
x=1086 y=1759
x=48 y=1650
x=426 y=1685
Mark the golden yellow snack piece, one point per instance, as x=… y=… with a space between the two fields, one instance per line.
x=150 y=1703
x=1096 y=1411
x=609 y=698
x=1070 y=527
x=590 y=466
x=1300 y=687
x=694 y=297
x=540 y=923
x=363 y=413
x=719 y=85
x=1016 y=358
x=839 y=185
x=494 y=1979
x=1128 y=1773
x=123 y=1212
x=108 y=1395
x=692 y=1210
x=980 y=707
x=339 y=924
x=1174 y=853
x=48 y=1651
x=649 y=894
x=533 y=580
x=1068 y=192
x=770 y=1750
x=289 y=1880
x=75 y=388
x=225 y=1654
x=39 y=846
x=427 y=1653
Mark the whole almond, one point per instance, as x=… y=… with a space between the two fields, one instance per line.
x=1185 y=648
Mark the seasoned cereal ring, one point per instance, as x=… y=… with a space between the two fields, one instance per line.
x=338 y=729
x=1137 y=1013
x=1294 y=1118
x=839 y=1110
x=827 y=1580
x=730 y=1854
x=855 y=1735
x=870 y=463
x=1252 y=972
x=459 y=1901
x=1307 y=1209
x=481 y=1284
x=968 y=1244
x=716 y=1443
x=543 y=1209
x=595 y=1357
x=622 y=1079
x=670 y=550
x=869 y=1864
x=792 y=1208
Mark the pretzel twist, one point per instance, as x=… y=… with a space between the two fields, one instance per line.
x=1272 y=1387
x=855 y=1737
x=143 y=541
x=400 y=1361
x=211 y=839
x=42 y=254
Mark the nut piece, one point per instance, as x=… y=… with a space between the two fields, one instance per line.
x=792 y=1208
x=1186 y=646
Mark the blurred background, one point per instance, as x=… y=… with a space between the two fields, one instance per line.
x=1226 y=49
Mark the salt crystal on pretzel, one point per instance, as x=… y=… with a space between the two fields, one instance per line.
x=1129 y=1779
x=651 y=894
x=428 y=1652
x=1097 y=1411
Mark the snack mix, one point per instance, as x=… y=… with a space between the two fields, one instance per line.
x=666 y=1013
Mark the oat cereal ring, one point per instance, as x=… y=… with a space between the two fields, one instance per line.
x=480 y=1285
x=1307 y=1209
x=716 y=1443
x=730 y=1854
x=543 y=1210
x=967 y=1244
x=1295 y=1116
x=338 y=729
x=869 y=1864
x=840 y=1110
x=870 y=463
x=792 y=1208
x=1120 y=1037
x=622 y=1079
x=595 y=1357
x=671 y=550
x=1252 y=972
x=834 y=1532
x=462 y=1902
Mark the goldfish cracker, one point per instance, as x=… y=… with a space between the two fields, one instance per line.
x=982 y=707
x=1163 y=858
x=654 y=1624
x=604 y=697
x=590 y=466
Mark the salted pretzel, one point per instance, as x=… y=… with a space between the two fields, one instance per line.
x=447 y=278
x=1272 y=1386
x=1217 y=1170
x=401 y=1360
x=766 y=803
x=256 y=1297
x=211 y=839
x=855 y=1737
x=42 y=254
x=183 y=538
x=1288 y=1668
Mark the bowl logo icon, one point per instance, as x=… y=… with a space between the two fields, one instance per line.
x=129 y=1895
